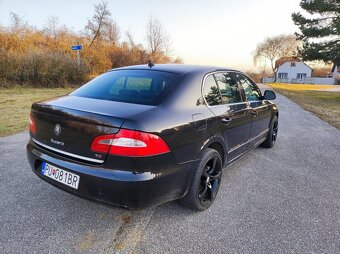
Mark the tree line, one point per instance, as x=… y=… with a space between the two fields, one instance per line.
x=43 y=57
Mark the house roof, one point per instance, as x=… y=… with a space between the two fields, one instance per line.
x=296 y=62
x=283 y=60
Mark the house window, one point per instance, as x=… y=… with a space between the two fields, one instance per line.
x=301 y=76
x=292 y=64
x=283 y=75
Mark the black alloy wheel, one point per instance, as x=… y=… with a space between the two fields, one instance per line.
x=272 y=134
x=210 y=181
x=205 y=182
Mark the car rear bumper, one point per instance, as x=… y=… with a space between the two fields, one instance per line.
x=135 y=185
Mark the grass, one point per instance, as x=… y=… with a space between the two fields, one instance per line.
x=299 y=87
x=15 y=104
x=326 y=105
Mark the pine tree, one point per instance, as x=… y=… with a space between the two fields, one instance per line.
x=320 y=32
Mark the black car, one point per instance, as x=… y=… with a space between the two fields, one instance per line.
x=143 y=135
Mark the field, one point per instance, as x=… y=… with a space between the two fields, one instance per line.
x=15 y=104
x=325 y=105
x=300 y=87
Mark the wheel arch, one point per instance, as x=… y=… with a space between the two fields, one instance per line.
x=216 y=143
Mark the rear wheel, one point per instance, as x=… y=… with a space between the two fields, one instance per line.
x=272 y=134
x=205 y=182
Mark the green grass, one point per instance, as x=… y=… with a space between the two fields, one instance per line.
x=326 y=105
x=300 y=87
x=15 y=104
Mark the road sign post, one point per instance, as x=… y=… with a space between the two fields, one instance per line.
x=77 y=48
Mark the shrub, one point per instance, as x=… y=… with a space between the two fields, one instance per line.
x=47 y=69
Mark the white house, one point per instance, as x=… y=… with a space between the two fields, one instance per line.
x=293 y=72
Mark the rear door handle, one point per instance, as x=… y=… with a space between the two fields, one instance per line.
x=254 y=113
x=226 y=120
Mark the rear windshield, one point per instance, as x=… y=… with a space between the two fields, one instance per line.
x=132 y=86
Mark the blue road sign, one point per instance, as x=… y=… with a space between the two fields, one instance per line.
x=77 y=47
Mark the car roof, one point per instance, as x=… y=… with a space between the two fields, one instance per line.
x=176 y=68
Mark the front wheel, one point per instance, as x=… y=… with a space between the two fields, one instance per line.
x=272 y=134
x=205 y=182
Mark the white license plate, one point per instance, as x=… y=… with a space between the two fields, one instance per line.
x=60 y=175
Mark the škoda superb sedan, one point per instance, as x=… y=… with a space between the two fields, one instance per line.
x=143 y=135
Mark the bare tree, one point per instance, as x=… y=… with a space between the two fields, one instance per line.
x=16 y=20
x=130 y=39
x=18 y=24
x=100 y=21
x=111 y=33
x=52 y=26
x=156 y=37
x=273 y=48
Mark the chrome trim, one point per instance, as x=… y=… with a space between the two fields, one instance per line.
x=245 y=152
x=66 y=153
x=249 y=140
x=223 y=105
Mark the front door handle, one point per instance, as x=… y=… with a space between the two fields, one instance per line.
x=226 y=120
x=254 y=113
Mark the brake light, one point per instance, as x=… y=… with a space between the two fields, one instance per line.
x=32 y=125
x=102 y=144
x=130 y=143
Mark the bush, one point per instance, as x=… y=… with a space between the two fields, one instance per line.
x=47 y=69
x=29 y=56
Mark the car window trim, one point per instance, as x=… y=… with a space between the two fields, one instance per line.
x=219 y=90
x=251 y=81
x=202 y=89
x=222 y=105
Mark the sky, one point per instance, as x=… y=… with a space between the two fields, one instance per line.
x=206 y=32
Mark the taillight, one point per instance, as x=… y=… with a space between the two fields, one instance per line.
x=32 y=126
x=102 y=144
x=130 y=143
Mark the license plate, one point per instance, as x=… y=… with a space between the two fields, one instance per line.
x=60 y=175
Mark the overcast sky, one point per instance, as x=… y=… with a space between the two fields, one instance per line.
x=207 y=32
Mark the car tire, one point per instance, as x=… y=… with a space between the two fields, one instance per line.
x=205 y=182
x=272 y=134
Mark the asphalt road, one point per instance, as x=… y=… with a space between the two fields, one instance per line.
x=280 y=200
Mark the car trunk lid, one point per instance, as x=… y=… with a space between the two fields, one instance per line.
x=68 y=125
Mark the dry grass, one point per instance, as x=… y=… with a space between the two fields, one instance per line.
x=325 y=105
x=15 y=104
x=300 y=87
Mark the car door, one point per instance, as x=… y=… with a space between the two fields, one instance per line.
x=258 y=108
x=224 y=99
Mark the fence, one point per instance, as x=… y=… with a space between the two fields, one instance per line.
x=321 y=81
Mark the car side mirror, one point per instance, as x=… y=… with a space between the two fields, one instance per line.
x=269 y=95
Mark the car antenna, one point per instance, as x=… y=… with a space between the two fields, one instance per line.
x=151 y=64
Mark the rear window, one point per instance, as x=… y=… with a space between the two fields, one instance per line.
x=145 y=87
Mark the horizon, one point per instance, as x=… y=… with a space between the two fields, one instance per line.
x=194 y=39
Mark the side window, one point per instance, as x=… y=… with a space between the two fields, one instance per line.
x=251 y=90
x=211 y=92
x=228 y=87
